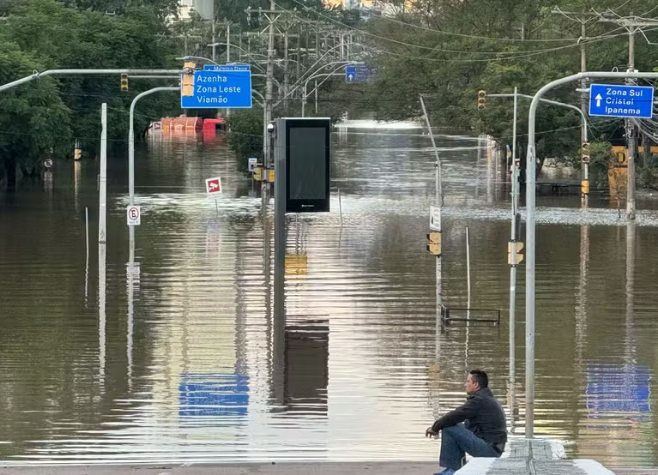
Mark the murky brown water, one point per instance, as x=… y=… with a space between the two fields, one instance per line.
x=177 y=366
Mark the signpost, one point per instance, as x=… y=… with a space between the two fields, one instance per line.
x=134 y=215
x=220 y=87
x=435 y=218
x=611 y=100
x=214 y=186
x=253 y=162
x=358 y=74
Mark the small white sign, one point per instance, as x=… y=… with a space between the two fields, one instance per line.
x=213 y=185
x=435 y=218
x=132 y=270
x=253 y=162
x=48 y=163
x=134 y=215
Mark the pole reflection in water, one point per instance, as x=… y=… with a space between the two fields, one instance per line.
x=581 y=308
x=77 y=178
x=132 y=278
x=102 y=293
x=630 y=282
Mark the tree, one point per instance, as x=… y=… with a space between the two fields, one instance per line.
x=34 y=121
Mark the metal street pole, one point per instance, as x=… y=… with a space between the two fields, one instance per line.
x=438 y=200
x=84 y=72
x=531 y=228
x=285 y=70
x=305 y=86
x=102 y=188
x=131 y=159
x=213 y=41
x=514 y=238
x=268 y=91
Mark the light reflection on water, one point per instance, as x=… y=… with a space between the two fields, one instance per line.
x=186 y=372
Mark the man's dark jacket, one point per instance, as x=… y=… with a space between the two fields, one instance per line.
x=482 y=414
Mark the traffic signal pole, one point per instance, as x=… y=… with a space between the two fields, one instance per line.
x=584 y=133
x=531 y=228
x=87 y=72
x=438 y=179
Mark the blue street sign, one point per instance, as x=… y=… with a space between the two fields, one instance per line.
x=358 y=74
x=611 y=100
x=220 y=87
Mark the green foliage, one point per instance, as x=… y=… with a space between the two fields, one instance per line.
x=246 y=135
x=57 y=34
x=448 y=50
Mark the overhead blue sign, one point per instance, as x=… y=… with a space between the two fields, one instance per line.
x=220 y=87
x=611 y=100
x=358 y=74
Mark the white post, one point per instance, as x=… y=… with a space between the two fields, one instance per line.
x=512 y=276
x=102 y=189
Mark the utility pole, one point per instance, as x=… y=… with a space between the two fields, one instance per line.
x=583 y=18
x=632 y=25
x=286 y=78
x=631 y=133
x=272 y=16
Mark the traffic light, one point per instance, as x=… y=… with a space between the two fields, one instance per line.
x=514 y=253
x=187 y=79
x=584 y=153
x=482 y=99
x=434 y=243
x=124 y=82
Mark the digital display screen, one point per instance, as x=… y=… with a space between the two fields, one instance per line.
x=307 y=163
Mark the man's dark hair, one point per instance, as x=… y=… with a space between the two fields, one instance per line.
x=480 y=377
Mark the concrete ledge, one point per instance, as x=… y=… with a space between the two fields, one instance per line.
x=320 y=468
x=521 y=466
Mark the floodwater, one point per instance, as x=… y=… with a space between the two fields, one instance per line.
x=171 y=360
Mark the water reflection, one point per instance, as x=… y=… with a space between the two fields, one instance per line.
x=176 y=362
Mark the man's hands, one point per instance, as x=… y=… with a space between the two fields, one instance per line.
x=430 y=433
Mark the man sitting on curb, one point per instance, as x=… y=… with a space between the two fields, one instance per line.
x=484 y=432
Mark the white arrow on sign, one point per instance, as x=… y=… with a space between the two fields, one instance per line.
x=598 y=100
x=351 y=76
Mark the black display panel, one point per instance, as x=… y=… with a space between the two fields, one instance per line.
x=308 y=150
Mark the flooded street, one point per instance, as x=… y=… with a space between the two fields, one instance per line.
x=173 y=363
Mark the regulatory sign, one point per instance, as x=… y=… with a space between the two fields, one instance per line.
x=611 y=100
x=220 y=87
x=252 y=164
x=435 y=218
x=134 y=215
x=358 y=74
x=214 y=185
x=48 y=163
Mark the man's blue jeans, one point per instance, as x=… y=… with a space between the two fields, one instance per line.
x=456 y=441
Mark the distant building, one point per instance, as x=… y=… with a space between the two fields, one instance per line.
x=202 y=7
x=380 y=6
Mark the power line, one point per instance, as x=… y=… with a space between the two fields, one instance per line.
x=446 y=33
x=501 y=55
